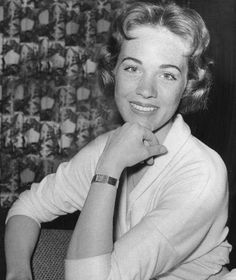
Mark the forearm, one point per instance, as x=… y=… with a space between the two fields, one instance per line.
x=92 y=241
x=20 y=238
x=94 y=230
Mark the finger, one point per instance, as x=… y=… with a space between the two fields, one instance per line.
x=161 y=151
x=154 y=142
x=146 y=143
x=149 y=138
x=150 y=161
x=156 y=150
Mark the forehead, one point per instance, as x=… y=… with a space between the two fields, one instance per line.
x=155 y=42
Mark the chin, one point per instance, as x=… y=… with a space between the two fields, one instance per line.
x=148 y=125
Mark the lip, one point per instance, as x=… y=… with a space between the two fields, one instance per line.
x=147 y=108
x=144 y=104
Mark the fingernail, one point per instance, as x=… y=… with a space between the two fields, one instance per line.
x=150 y=161
x=163 y=150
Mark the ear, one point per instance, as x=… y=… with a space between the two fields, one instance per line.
x=193 y=84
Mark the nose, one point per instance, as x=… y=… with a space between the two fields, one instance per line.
x=147 y=87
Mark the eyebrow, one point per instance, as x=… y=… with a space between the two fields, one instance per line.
x=162 y=66
x=132 y=58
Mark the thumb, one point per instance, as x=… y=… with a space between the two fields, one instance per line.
x=156 y=150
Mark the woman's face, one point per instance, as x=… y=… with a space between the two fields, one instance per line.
x=150 y=77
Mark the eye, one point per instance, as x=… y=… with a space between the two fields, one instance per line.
x=131 y=69
x=168 y=76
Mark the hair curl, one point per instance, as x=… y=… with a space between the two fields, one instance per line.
x=182 y=21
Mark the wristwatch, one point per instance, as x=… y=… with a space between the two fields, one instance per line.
x=105 y=179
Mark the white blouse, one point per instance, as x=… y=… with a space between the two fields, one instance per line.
x=171 y=226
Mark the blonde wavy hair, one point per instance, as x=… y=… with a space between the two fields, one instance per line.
x=182 y=21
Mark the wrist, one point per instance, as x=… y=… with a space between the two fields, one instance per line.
x=105 y=179
x=110 y=169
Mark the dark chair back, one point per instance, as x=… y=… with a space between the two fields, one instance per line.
x=48 y=258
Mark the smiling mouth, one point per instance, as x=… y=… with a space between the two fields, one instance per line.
x=143 y=108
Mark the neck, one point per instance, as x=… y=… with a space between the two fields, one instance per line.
x=162 y=132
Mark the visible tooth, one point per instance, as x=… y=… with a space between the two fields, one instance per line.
x=141 y=108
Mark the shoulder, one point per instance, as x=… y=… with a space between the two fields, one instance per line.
x=197 y=178
x=205 y=170
x=197 y=168
x=191 y=157
x=207 y=158
x=189 y=153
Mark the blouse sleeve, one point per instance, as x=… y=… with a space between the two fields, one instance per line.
x=187 y=223
x=62 y=192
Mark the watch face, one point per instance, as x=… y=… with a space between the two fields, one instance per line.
x=100 y=178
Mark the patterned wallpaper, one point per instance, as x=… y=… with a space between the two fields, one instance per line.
x=50 y=106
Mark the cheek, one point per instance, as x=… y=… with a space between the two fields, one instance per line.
x=180 y=91
x=175 y=100
x=122 y=87
x=171 y=98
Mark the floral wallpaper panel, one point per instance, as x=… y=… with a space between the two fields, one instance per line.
x=50 y=106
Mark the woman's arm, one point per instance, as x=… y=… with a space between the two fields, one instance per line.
x=181 y=227
x=93 y=233
x=20 y=239
x=57 y=194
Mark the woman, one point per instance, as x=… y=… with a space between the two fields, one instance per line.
x=169 y=189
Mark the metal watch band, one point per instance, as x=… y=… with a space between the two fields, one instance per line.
x=105 y=179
